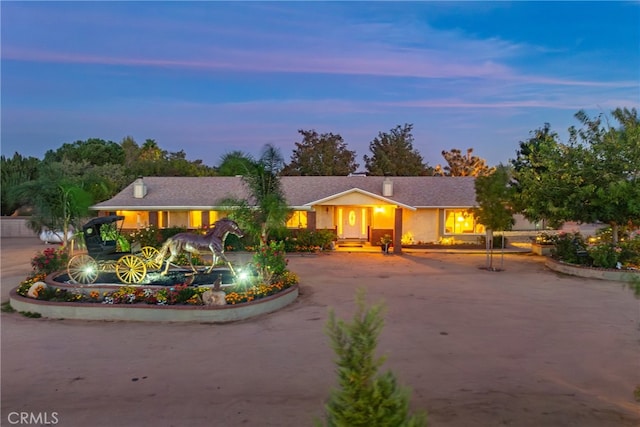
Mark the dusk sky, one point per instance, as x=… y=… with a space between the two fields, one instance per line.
x=213 y=77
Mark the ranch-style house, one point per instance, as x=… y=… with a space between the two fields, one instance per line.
x=417 y=209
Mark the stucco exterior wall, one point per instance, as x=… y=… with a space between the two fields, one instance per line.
x=324 y=217
x=422 y=224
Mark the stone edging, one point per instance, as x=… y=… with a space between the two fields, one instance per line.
x=154 y=313
x=591 y=272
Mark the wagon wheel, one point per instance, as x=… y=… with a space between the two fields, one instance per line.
x=150 y=255
x=82 y=269
x=108 y=266
x=131 y=269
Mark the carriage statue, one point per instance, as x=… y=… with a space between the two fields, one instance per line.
x=101 y=237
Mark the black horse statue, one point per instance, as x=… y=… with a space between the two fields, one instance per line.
x=192 y=243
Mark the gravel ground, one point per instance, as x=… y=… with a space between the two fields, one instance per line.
x=520 y=347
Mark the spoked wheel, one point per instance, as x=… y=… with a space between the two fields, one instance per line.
x=131 y=269
x=150 y=255
x=83 y=269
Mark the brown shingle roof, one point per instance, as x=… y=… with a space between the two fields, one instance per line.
x=202 y=193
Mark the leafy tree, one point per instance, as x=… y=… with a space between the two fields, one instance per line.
x=131 y=151
x=612 y=167
x=176 y=164
x=462 y=165
x=266 y=209
x=494 y=211
x=15 y=171
x=594 y=177
x=538 y=193
x=321 y=155
x=94 y=151
x=235 y=163
x=364 y=397
x=393 y=154
x=58 y=199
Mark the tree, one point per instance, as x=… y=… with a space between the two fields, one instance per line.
x=15 y=171
x=235 y=163
x=58 y=199
x=393 y=154
x=364 y=397
x=494 y=211
x=266 y=209
x=321 y=155
x=94 y=151
x=459 y=165
x=612 y=168
x=131 y=151
x=594 y=177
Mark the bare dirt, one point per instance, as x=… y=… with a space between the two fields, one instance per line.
x=520 y=347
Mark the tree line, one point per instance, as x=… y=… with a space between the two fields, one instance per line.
x=103 y=168
x=591 y=177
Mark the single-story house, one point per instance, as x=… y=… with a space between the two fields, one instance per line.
x=357 y=208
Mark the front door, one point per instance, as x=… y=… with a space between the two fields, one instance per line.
x=352 y=221
x=352 y=224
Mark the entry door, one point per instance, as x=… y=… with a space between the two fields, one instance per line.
x=352 y=223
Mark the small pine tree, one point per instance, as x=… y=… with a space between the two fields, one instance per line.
x=364 y=397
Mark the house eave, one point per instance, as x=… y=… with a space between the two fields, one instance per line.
x=367 y=193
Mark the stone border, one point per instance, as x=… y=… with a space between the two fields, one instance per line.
x=154 y=313
x=591 y=272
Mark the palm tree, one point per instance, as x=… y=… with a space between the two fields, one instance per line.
x=266 y=209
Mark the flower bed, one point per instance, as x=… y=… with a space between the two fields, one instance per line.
x=628 y=276
x=154 y=313
x=181 y=294
x=271 y=288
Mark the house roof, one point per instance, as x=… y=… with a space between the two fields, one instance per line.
x=205 y=193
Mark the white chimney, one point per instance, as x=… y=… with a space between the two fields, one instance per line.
x=387 y=187
x=139 y=188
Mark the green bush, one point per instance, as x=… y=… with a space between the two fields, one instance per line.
x=165 y=233
x=148 y=236
x=570 y=248
x=630 y=254
x=364 y=397
x=302 y=240
x=605 y=255
x=270 y=260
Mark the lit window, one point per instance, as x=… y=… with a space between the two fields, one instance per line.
x=297 y=220
x=461 y=222
x=195 y=219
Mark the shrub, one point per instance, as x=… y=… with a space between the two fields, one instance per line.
x=364 y=397
x=309 y=241
x=165 y=233
x=148 y=236
x=605 y=255
x=269 y=260
x=50 y=260
x=630 y=254
x=567 y=248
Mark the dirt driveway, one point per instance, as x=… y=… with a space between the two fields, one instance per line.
x=522 y=347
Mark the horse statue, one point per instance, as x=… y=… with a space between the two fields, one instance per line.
x=192 y=242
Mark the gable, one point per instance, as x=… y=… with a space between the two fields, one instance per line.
x=358 y=197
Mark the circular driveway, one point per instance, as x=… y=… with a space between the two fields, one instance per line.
x=521 y=347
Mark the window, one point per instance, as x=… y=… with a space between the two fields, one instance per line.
x=195 y=219
x=298 y=220
x=461 y=222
